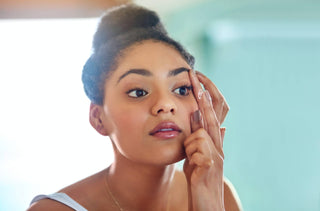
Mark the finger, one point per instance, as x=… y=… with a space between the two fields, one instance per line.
x=197 y=88
x=198 y=93
x=210 y=120
x=219 y=103
x=196 y=121
x=200 y=160
x=199 y=144
x=213 y=124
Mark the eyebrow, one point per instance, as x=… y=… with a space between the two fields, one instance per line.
x=145 y=72
x=177 y=71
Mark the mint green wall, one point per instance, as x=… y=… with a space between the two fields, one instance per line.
x=265 y=58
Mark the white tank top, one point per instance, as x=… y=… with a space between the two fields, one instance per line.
x=62 y=198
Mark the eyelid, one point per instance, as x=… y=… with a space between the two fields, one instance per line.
x=187 y=85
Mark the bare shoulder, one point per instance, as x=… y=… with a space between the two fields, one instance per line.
x=49 y=205
x=84 y=192
x=231 y=198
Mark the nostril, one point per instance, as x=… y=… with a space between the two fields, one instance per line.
x=165 y=109
x=162 y=110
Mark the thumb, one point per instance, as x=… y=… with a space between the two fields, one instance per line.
x=196 y=121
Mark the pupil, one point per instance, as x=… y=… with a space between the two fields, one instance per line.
x=182 y=91
x=139 y=93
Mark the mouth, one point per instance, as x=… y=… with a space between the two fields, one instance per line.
x=165 y=130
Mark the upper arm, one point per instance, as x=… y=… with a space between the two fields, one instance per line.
x=231 y=198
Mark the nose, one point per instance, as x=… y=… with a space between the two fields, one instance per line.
x=164 y=103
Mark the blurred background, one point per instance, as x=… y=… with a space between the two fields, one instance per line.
x=263 y=55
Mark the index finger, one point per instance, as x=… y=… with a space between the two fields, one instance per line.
x=210 y=118
x=220 y=105
x=198 y=93
x=196 y=86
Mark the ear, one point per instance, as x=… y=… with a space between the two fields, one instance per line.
x=96 y=119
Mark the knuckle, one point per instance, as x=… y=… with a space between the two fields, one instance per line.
x=221 y=100
x=196 y=157
x=202 y=142
x=226 y=107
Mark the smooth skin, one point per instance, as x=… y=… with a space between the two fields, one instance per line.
x=143 y=176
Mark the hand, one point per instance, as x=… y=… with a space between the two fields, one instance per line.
x=219 y=103
x=203 y=166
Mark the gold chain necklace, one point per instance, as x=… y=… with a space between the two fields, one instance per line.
x=111 y=195
x=115 y=201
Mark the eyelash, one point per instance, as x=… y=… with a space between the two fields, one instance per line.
x=144 y=92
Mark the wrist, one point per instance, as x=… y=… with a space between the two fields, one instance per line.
x=204 y=199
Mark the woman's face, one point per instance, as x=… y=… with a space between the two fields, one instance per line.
x=148 y=101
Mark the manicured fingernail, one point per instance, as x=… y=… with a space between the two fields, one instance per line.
x=200 y=93
x=196 y=117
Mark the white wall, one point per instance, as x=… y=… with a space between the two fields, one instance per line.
x=46 y=141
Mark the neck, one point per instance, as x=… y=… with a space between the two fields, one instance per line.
x=138 y=186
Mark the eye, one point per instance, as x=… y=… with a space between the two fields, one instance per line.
x=135 y=93
x=183 y=90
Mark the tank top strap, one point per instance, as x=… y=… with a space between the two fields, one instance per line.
x=62 y=198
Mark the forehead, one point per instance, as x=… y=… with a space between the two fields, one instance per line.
x=154 y=56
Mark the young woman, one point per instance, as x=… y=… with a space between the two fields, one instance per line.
x=147 y=98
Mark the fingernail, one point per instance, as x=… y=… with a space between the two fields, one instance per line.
x=193 y=71
x=196 y=117
x=223 y=131
x=200 y=93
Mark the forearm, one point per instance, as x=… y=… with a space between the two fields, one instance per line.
x=206 y=199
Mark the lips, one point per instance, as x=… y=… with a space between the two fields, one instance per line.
x=165 y=130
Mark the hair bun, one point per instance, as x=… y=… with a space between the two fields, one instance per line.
x=122 y=19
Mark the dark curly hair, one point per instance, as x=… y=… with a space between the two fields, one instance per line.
x=120 y=28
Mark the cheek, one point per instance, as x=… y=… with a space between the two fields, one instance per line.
x=129 y=120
